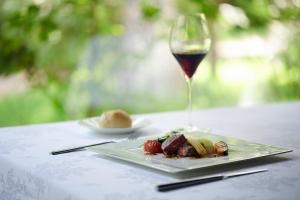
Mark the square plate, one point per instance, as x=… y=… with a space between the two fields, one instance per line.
x=239 y=150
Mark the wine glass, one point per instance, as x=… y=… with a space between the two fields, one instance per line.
x=189 y=43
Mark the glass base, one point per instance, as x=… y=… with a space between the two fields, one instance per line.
x=191 y=128
x=195 y=128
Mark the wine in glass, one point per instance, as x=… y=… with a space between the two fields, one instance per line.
x=189 y=43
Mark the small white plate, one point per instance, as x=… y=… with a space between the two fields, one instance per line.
x=93 y=123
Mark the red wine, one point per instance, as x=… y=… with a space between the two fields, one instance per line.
x=189 y=61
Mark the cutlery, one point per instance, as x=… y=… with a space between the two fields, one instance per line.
x=73 y=149
x=206 y=179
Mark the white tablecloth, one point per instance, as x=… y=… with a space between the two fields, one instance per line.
x=28 y=171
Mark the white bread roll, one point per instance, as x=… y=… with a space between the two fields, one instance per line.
x=115 y=119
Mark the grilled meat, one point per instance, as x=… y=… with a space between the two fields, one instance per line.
x=172 y=144
x=187 y=151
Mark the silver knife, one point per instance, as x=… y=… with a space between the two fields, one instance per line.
x=206 y=179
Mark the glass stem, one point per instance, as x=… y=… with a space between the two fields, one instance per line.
x=189 y=109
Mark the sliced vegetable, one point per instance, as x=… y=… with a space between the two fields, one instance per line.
x=198 y=146
x=208 y=145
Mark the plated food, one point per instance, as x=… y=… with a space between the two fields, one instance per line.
x=178 y=144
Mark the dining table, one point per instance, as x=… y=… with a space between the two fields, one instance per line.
x=29 y=172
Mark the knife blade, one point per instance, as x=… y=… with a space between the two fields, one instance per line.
x=241 y=173
x=73 y=149
x=206 y=179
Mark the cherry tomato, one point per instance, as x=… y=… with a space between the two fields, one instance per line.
x=152 y=147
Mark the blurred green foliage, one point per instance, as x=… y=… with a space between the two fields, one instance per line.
x=53 y=33
x=45 y=39
x=285 y=83
x=40 y=104
x=149 y=10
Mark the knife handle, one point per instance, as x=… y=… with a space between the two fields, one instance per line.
x=182 y=184
x=66 y=150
